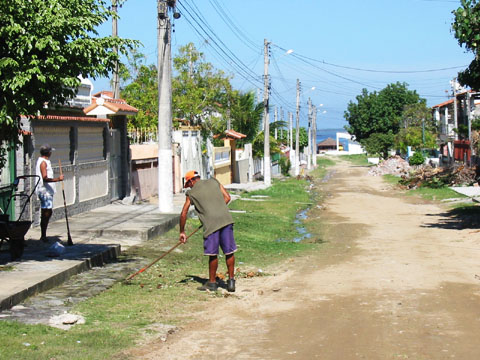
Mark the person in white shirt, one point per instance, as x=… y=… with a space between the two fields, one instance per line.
x=46 y=187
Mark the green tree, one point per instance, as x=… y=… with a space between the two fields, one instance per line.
x=466 y=27
x=418 y=128
x=246 y=115
x=303 y=137
x=198 y=88
x=378 y=143
x=379 y=112
x=142 y=93
x=45 y=45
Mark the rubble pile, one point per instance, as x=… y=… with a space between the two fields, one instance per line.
x=392 y=166
x=457 y=175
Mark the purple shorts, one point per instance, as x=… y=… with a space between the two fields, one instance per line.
x=223 y=238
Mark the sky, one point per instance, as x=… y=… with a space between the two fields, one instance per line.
x=339 y=47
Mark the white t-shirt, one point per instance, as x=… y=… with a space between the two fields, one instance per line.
x=45 y=187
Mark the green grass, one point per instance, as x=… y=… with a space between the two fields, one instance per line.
x=391 y=179
x=325 y=161
x=436 y=194
x=358 y=159
x=164 y=293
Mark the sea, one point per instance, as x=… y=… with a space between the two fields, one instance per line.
x=324 y=134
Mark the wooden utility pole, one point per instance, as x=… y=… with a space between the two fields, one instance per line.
x=267 y=177
x=116 y=79
x=297 y=133
x=314 y=118
x=165 y=163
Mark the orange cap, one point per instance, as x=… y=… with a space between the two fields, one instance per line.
x=190 y=175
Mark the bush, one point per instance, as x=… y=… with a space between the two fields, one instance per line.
x=285 y=165
x=416 y=159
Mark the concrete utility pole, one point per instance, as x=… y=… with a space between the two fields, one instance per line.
x=116 y=79
x=455 y=119
x=290 y=130
x=314 y=117
x=309 y=152
x=470 y=106
x=297 y=133
x=267 y=176
x=282 y=119
x=275 y=119
x=165 y=163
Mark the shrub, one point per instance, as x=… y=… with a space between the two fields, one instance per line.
x=285 y=165
x=416 y=159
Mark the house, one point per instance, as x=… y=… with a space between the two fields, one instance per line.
x=90 y=140
x=327 y=144
x=454 y=133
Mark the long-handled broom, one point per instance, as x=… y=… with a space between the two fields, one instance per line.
x=161 y=257
x=69 y=242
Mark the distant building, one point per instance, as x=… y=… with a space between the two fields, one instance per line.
x=326 y=145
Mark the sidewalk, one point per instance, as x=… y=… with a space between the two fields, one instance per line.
x=98 y=237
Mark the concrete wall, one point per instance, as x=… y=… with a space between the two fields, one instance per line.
x=84 y=150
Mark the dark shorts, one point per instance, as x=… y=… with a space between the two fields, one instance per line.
x=221 y=238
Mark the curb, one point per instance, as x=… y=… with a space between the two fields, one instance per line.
x=111 y=252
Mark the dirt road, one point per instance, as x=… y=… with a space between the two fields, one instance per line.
x=393 y=281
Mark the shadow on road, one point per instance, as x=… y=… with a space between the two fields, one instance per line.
x=465 y=217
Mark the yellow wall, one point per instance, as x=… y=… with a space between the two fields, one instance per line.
x=222 y=174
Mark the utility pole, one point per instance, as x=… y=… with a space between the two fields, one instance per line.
x=297 y=133
x=267 y=177
x=290 y=130
x=165 y=163
x=470 y=106
x=455 y=119
x=116 y=80
x=282 y=120
x=314 y=117
x=275 y=119
x=309 y=152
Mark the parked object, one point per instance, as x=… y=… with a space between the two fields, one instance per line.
x=14 y=232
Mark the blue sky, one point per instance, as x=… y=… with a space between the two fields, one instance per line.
x=326 y=36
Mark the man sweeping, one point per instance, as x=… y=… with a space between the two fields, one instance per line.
x=210 y=200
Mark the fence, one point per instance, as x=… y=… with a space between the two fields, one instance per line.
x=143 y=135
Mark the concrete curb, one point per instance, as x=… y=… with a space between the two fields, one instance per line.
x=111 y=252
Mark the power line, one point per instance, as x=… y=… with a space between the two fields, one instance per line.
x=375 y=70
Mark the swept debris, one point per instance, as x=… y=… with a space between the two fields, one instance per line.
x=394 y=165
x=455 y=175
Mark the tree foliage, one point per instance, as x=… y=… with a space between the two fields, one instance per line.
x=197 y=87
x=142 y=93
x=45 y=45
x=378 y=143
x=379 y=112
x=466 y=27
x=246 y=115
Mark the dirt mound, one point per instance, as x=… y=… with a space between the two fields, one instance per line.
x=393 y=166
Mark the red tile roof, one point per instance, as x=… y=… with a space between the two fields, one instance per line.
x=234 y=134
x=445 y=103
x=115 y=105
x=69 y=118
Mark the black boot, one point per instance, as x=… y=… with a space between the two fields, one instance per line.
x=231 y=285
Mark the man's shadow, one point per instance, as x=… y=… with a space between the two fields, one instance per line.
x=201 y=280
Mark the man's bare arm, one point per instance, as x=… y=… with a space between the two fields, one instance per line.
x=183 y=219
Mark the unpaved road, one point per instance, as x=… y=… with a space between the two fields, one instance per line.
x=393 y=281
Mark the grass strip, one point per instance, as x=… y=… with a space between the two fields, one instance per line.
x=117 y=318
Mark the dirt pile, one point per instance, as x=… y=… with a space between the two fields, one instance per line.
x=392 y=166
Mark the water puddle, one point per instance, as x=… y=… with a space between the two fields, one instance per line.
x=301 y=230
